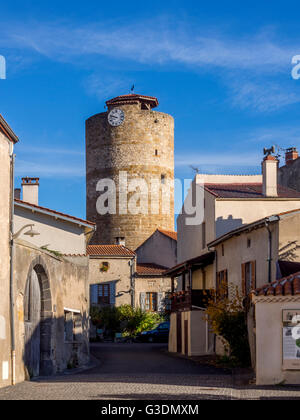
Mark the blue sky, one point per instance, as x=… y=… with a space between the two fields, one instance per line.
x=222 y=69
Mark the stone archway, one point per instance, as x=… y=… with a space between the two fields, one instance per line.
x=38 y=319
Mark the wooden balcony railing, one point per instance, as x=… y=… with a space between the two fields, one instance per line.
x=189 y=300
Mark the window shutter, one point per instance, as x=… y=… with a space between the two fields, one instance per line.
x=160 y=302
x=143 y=301
x=244 y=279
x=112 y=293
x=94 y=294
x=253 y=275
x=226 y=282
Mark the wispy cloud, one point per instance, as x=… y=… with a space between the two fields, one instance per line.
x=49 y=169
x=166 y=42
x=230 y=159
x=156 y=41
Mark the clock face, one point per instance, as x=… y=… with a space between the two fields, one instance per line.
x=116 y=117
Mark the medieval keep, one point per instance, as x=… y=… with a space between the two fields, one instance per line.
x=130 y=138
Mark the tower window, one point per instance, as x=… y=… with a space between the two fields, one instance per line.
x=156 y=152
x=163 y=179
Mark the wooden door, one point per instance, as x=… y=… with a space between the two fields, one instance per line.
x=186 y=337
x=179 y=333
x=32 y=325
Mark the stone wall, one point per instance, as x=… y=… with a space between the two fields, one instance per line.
x=64 y=286
x=143 y=146
x=118 y=274
x=151 y=285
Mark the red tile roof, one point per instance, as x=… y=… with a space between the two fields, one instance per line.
x=110 y=251
x=7 y=131
x=150 y=270
x=288 y=286
x=133 y=98
x=254 y=190
x=54 y=212
x=171 y=234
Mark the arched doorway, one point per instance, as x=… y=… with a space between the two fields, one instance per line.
x=38 y=321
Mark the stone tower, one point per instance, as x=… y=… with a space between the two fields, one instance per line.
x=130 y=138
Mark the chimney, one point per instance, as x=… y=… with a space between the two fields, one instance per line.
x=291 y=154
x=18 y=193
x=120 y=240
x=30 y=188
x=270 y=176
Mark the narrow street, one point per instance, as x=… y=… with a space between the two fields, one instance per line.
x=142 y=372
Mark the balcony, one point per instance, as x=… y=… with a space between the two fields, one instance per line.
x=189 y=300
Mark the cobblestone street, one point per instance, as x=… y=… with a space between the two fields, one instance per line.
x=143 y=371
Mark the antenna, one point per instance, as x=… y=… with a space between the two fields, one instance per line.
x=132 y=88
x=269 y=151
x=196 y=170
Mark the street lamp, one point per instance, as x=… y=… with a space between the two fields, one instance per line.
x=30 y=233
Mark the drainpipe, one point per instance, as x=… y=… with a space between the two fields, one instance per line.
x=11 y=281
x=132 y=282
x=267 y=225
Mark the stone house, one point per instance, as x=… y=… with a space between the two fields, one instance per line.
x=111 y=275
x=151 y=287
x=228 y=203
x=118 y=278
x=289 y=174
x=7 y=141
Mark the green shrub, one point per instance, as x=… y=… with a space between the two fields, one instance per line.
x=124 y=319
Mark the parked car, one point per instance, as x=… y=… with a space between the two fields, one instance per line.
x=159 y=334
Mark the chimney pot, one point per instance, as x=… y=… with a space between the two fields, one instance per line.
x=291 y=154
x=270 y=176
x=30 y=190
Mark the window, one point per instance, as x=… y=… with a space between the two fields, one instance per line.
x=103 y=294
x=248 y=243
x=223 y=250
x=163 y=179
x=73 y=326
x=203 y=235
x=104 y=267
x=248 y=277
x=156 y=152
x=151 y=302
x=222 y=283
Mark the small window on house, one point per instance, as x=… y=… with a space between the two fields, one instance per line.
x=223 y=250
x=72 y=326
x=248 y=243
x=151 y=302
x=163 y=179
x=104 y=267
x=248 y=277
x=103 y=294
x=222 y=283
x=156 y=152
x=203 y=235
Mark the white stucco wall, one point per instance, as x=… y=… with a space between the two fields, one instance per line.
x=57 y=234
x=269 y=370
x=158 y=249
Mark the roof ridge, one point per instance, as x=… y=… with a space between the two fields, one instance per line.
x=53 y=211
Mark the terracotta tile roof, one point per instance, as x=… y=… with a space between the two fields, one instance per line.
x=109 y=251
x=7 y=131
x=287 y=286
x=133 y=98
x=247 y=191
x=150 y=269
x=171 y=234
x=54 y=212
